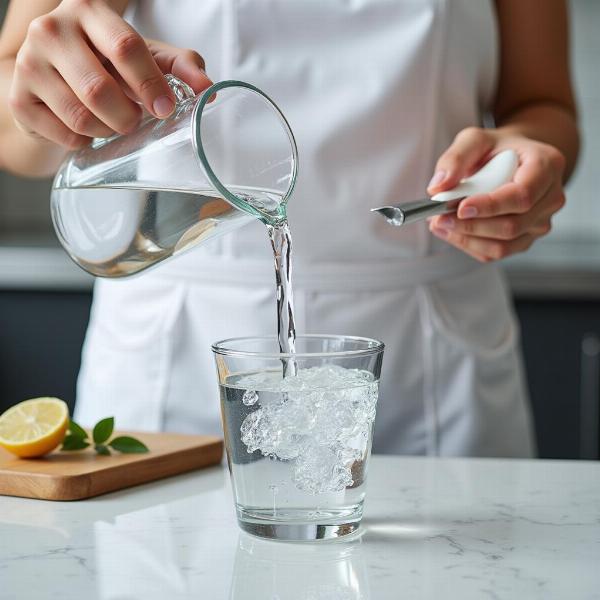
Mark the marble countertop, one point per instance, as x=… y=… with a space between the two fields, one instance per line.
x=433 y=528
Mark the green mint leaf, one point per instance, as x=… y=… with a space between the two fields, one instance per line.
x=127 y=445
x=103 y=430
x=72 y=442
x=77 y=431
x=102 y=449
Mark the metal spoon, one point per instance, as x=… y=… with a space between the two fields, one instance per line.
x=497 y=171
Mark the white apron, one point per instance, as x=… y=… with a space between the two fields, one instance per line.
x=374 y=91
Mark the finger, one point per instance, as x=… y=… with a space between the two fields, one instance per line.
x=187 y=65
x=535 y=175
x=83 y=72
x=61 y=100
x=166 y=58
x=533 y=179
x=96 y=88
x=554 y=202
x=500 y=228
x=468 y=150
x=531 y=182
x=129 y=54
x=37 y=120
x=486 y=248
x=509 y=226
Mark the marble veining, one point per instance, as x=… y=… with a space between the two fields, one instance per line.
x=433 y=528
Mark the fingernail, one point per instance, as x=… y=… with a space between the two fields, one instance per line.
x=163 y=106
x=447 y=222
x=468 y=212
x=439 y=232
x=437 y=178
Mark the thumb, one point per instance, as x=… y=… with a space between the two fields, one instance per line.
x=469 y=149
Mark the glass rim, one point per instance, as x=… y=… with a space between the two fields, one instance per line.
x=375 y=347
x=204 y=162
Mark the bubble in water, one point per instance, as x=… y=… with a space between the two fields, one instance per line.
x=320 y=419
x=250 y=397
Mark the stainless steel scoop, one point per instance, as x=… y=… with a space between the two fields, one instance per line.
x=499 y=170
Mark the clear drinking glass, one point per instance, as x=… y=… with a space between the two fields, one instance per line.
x=223 y=158
x=298 y=446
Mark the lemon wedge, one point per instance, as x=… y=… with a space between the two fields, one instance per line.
x=34 y=427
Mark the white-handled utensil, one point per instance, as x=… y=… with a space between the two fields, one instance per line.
x=499 y=170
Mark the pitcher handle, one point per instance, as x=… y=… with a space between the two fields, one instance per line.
x=183 y=92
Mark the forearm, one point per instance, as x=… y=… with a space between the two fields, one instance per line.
x=546 y=122
x=21 y=153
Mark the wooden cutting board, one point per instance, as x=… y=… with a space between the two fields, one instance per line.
x=83 y=474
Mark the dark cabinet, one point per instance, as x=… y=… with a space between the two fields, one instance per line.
x=41 y=334
x=561 y=348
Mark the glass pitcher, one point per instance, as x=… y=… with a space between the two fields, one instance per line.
x=224 y=158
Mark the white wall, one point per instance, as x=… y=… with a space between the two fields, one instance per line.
x=581 y=215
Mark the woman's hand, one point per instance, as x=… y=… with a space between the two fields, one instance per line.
x=493 y=226
x=79 y=68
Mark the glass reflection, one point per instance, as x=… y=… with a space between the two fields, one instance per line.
x=287 y=571
x=166 y=549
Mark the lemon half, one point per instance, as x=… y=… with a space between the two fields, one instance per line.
x=34 y=427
